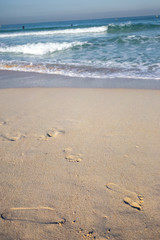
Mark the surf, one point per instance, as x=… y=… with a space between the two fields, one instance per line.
x=56 y=32
x=111 y=70
x=131 y=27
x=40 y=48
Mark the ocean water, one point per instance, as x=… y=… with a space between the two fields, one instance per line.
x=105 y=48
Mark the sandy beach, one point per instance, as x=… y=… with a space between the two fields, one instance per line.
x=79 y=164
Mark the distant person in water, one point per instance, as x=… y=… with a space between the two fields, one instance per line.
x=71 y=25
x=23 y=27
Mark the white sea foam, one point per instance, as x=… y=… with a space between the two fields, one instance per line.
x=55 y=32
x=40 y=48
x=75 y=70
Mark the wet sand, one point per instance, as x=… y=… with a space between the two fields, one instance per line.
x=17 y=79
x=79 y=164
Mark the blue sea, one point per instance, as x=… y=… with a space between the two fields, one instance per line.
x=104 y=48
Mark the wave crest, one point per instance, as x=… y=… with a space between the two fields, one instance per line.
x=130 y=27
x=56 y=32
x=40 y=48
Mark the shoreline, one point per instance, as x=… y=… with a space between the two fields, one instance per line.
x=16 y=79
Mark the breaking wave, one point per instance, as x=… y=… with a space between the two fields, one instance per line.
x=56 y=32
x=40 y=48
x=131 y=27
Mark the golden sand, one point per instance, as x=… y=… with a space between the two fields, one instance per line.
x=79 y=164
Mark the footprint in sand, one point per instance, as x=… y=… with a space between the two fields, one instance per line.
x=14 y=136
x=133 y=199
x=90 y=235
x=53 y=132
x=41 y=215
x=72 y=157
x=2 y=122
x=40 y=137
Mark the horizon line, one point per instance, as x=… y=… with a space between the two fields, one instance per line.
x=56 y=21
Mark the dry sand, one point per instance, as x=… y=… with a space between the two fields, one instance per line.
x=79 y=164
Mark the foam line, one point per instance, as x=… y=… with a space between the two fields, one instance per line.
x=55 y=32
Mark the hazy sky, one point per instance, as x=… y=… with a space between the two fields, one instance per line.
x=23 y=11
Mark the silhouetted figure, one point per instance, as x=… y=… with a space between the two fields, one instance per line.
x=23 y=27
x=71 y=25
